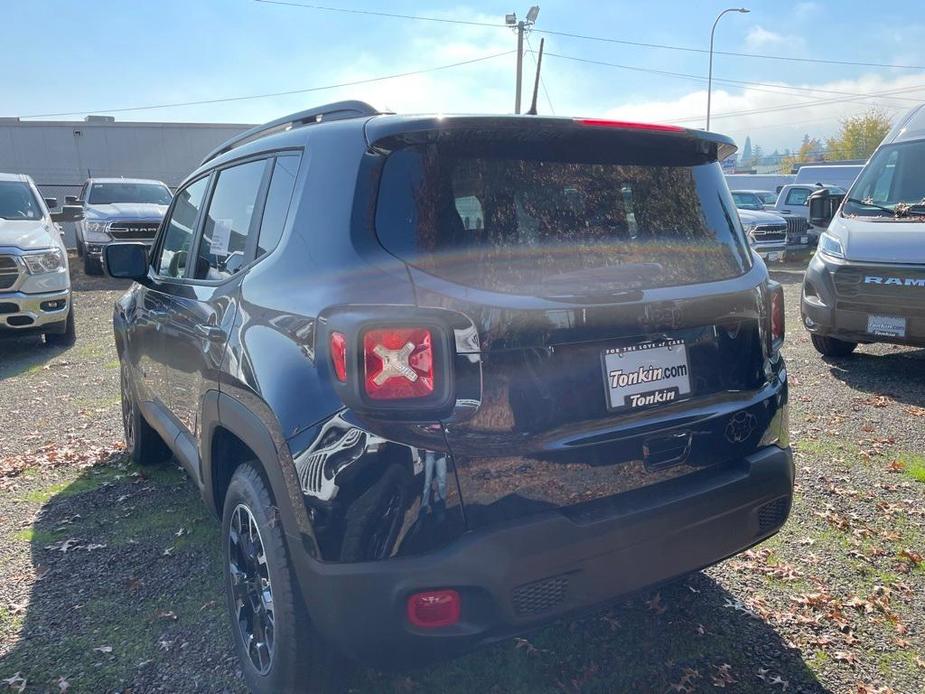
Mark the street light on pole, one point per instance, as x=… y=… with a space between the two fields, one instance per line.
x=520 y=27
x=743 y=10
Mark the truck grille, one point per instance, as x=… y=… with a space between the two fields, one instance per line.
x=134 y=230
x=906 y=288
x=9 y=271
x=797 y=227
x=765 y=233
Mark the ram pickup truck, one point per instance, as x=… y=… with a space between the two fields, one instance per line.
x=35 y=287
x=792 y=205
x=117 y=209
x=766 y=233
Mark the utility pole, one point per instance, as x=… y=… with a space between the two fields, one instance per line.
x=520 y=27
x=520 y=64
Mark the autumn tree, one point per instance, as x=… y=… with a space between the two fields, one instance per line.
x=859 y=136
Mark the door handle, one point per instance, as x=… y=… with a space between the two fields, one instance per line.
x=211 y=332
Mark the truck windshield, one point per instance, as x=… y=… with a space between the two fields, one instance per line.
x=109 y=193
x=892 y=182
x=18 y=202
x=561 y=220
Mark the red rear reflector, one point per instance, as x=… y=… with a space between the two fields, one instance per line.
x=339 y=355
x=399 y=363
x=628 y=125
x=777 y=315
x=435 y=608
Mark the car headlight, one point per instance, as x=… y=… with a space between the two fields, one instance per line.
x=831 y=245
x=48 y=261
x=750 y=231
x=97 y=232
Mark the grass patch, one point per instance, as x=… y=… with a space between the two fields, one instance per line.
x=39 y=537
x=88 y=482
x=913 y=466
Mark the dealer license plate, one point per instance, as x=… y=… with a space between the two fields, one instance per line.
x=886 y=326
x=646 y=374
x=804 y=239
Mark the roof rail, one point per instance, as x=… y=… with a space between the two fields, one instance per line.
x=338 y=110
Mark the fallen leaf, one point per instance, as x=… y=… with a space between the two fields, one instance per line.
x=167 y=614
x=17 y=683
x=655 y=604
x=103 y=649
x=63 y=684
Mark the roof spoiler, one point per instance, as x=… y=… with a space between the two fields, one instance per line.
x=338 y=110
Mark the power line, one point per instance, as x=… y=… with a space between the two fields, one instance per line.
x=378 y=13
x=290 y=92
x=809 y=104
x=688 y=49
x=585 y=37
x=542 y=81
x=755 y=86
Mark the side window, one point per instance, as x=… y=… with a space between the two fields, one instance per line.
x=797 y=196
x=470 y=212
x=278 y=198
x=228 y=221
x=178 y=232
x=883 y=185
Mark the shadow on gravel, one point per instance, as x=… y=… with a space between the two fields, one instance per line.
x=128 y=587
x=130 y=597
x=899 y=375
x=19 y=355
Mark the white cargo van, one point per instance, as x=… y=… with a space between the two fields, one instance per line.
x=866 y=282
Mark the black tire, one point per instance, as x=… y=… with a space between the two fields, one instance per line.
x=832 y=347
x=92 y=266
x=375 y=518
x=68 y=337
x=143 y=445
x=287 y=656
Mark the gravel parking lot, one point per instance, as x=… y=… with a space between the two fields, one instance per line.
x=110 y=576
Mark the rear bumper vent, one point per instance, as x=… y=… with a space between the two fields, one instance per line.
x=540 y=596
x=773 y=514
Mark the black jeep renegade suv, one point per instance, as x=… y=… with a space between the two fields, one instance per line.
x=446 y=378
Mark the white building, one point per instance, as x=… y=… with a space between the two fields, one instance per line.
x=60 y=155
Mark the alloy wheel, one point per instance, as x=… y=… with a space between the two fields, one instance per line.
x=251 y=589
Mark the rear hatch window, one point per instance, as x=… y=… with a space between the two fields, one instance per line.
x=563 y=215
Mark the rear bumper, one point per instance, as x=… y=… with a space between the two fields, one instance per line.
x=22 y=314
x=515 y=577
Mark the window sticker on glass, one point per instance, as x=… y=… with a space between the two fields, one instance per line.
x=221 y=237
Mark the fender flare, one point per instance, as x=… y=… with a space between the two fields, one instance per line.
x=221 y=410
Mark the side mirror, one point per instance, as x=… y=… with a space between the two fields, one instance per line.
x=69 y=213
x=51 y=203
x=822 y=207
x=126 y=260
x=70 y=199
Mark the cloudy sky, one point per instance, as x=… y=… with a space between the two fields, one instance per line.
x=96 y=56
